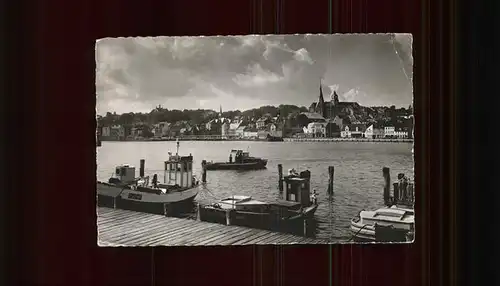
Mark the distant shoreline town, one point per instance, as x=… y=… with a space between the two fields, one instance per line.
x=322 y=121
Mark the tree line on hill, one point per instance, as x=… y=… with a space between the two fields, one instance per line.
x=382 y=115
x=195 y=116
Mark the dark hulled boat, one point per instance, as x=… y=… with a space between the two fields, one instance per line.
x=174 y=196
x=274 y=138
x=238 y=160
x=286 y=215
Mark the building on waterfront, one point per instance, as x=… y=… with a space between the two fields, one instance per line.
x=106 y=131
x=115 y=132
x=161 y=129
x=263 y=121
x=401 y=132
x=373 y=133
x=250 y=133
x=353 y=131
x=232 y=128
x=271 y=129
x=240 y=131
x=389 y=131
x=315 y=129
x=225 y=129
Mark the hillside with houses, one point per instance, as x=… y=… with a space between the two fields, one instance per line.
x=329 y=119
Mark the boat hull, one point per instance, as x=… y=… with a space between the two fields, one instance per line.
x=368 y=233
x=291 y=223
x=114 y=196
x=258 y=165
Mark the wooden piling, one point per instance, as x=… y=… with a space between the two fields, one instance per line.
x=331 y=172
x=387 y=187
x=228 y=217
x=280 y=178
x=165 y=209
x=198 y=215
x=141 y=168
x=305 y=227
x=397 y=196
x=204 y=171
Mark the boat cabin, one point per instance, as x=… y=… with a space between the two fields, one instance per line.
x=297 y=188
x=401 y=218
x=243 y=203
x=243 y=154
x=125 y=174
x=179 y=171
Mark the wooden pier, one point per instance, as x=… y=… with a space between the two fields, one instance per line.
x=127 y=228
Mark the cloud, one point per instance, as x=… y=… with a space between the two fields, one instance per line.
x=192 y=72
x=256 y=77
x=353 y=95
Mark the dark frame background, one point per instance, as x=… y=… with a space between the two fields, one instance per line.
x=50 y=204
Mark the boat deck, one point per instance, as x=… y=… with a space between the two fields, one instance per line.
x=127 y=228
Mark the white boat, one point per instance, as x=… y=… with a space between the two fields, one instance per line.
x=174 y=195
x=396 y=222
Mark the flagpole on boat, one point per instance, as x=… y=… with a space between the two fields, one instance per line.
x=177 y=152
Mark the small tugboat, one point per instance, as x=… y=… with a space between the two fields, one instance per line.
x=175 y=195
x=393 y=223
x=274 y=138
x=238 y=160
x=286 y=215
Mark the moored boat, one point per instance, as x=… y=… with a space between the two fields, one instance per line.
x=175 y=195
x=288 y=214
x=393 y=223
x=389 y=224
x=238 y=160
x=274 y=138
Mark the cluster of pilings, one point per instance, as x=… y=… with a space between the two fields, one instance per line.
x=331 y=172
x=403 y=190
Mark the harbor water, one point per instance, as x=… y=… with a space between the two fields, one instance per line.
x=358 y=181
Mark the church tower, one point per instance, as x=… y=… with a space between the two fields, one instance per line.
x=335 y=98
x=320 y=107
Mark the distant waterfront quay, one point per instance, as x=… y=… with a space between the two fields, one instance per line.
x=220 y=138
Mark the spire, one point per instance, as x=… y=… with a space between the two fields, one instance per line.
x=321 y=99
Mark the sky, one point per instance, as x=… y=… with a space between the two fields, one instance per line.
x=244 y=72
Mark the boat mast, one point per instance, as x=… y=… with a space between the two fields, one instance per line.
x=177 y=152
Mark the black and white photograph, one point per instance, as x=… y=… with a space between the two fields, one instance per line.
x=255 y=139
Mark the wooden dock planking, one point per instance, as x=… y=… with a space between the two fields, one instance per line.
x=183 y=238
x=220 y=235
x=141 y=229
x=253 y=237
x=117 y=224
x=161 y=228
x=135 y=223
x=134 y=228
x=174 y=229
x=235 y=236
x=178 y=235
x=203 y=235
x=211 y=232
x=271 y=238
x=144 y=232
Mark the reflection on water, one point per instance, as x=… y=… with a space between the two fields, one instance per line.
x=358 y=180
